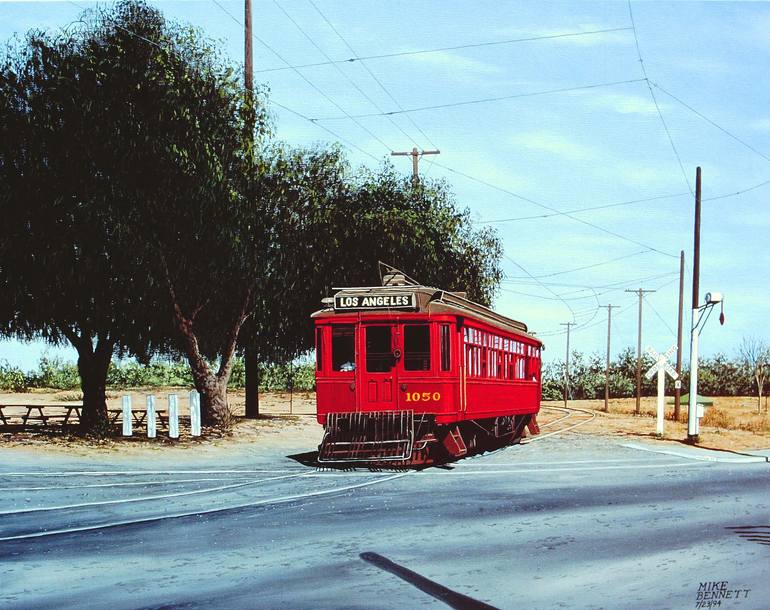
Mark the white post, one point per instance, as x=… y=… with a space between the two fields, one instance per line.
x=127 y=419
x=151 y=429
x=173 y=416
x=195 y=413
x=693 y=423
x=661 y=397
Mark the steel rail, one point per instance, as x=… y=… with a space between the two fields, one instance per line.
x=269 y=501
x=567 y=429
x=179 y=494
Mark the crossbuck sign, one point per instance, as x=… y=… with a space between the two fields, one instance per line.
x=661 y=367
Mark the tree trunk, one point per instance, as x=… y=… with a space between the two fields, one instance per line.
x=760 y=383
x=214 y=408
x=92 y=368
x=251 y=362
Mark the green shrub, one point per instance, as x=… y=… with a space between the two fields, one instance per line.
x=12 y=378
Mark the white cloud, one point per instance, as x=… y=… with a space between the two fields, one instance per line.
x=556 y=144
x=453 y=61
x=624 y=103
x=760 y=125
x=587 y=40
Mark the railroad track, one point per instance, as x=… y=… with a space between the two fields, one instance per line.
x=572 y=418
x=90 y=516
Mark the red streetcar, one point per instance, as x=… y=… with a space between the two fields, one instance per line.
x=410 y=374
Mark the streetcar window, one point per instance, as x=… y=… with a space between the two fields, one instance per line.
x=417 y=348
x=445 y=361
x=319 y=349
x=379 y=350
x=343 y=348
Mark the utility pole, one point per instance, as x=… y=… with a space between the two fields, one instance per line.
x=692 y=408
x=415 y=154
x=609 y=309
x=566 y=368
x=680 y=312
x=641 y=292
x=251 y=360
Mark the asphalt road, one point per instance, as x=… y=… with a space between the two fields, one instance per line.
x=569 y=522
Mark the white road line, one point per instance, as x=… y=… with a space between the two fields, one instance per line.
x=133 y=484
x=279 y=500
x=100 y=473
x=470 y=464
x=576 y=468
x=148 y=498
x=702 y=457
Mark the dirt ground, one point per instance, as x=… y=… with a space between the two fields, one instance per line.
x=732 y=424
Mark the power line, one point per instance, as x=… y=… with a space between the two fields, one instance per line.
x=587 y=209
x=356 y=58
x=623 y=203
x=484 y=100
x=567 y=305
x=655 y=101
x=377 y=80
x=342 y=72
x=553 y=209
x=607 y=262
x=710 y=122
x=661 y=318
x=304 y=78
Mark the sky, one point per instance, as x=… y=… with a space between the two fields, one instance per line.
x=538 y=108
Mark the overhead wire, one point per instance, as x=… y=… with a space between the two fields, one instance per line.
x=373 y=75
x=566 y=304
x=655 y=100
x=485 y=100
x=599 y=264
x=357 y=58
x=304 y=78
x=363 y=93
x=712 y=123
x=553 y=209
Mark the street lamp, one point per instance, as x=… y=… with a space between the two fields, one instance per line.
x=700 y=316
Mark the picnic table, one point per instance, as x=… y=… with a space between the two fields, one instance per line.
x=138 y=415
x=42 y=412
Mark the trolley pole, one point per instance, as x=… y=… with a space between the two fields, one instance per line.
x=693 y=424
x=641 y=292
x=680 y=312
x=609 y=309
x=566 y=362
x=415 y=154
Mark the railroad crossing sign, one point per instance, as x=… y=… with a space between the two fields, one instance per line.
x=661 y=367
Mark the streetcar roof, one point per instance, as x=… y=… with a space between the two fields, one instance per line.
x=426 y=300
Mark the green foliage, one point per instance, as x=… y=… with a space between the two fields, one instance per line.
x=55 y=373
x=12 y=378
x=717 y=376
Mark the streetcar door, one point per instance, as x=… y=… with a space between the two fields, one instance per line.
x=379 y=381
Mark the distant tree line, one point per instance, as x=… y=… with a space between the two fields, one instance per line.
x=57 y=374
x=718 y=375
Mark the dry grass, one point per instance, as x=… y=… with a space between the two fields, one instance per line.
x=732 y=423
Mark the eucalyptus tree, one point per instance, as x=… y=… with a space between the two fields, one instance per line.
x=350 y=222
x=124 y=194
x=68 y=271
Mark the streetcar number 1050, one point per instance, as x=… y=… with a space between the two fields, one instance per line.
x=423 y=396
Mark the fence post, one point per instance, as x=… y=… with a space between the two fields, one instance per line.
x=151 y=430
x=195 y=413
x=127 y=418
x=173 y=416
